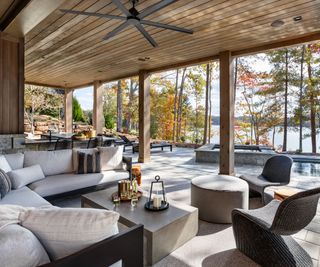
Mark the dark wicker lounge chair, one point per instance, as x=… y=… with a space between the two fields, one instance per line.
x=276 y=172
x=264 y=234
x=125 y=142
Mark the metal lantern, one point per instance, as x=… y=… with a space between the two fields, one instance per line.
x=156 y=203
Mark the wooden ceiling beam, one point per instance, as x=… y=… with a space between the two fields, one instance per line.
x=12 y=12
x=46 y=85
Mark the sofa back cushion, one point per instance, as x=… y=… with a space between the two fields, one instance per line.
x=65 y=231
x=15 y=160
x=25 y=176
x=4 y=164
x=111 y=158
x=20 y=248
x=51 y=162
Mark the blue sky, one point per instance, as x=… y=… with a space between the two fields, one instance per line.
x=85 y=97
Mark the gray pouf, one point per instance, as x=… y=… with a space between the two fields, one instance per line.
x=217 y=195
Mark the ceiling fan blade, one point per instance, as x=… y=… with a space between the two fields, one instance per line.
x=116 y=30
x=146 y=35
x=154 y=8
x=92 y=14
x=165 y=26
x=121 y=7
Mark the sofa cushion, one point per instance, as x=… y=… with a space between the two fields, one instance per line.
x=5 y=183
x=20 y=248
x=75 y=155
x=111 y=158
x=62 y=183
x=4 y=164
x=51 y=162
x=24 y=176
x=24 y=197
x=112 y=176
x=65 y=231
x=15 y=160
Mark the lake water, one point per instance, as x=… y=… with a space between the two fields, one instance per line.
x=292 y=141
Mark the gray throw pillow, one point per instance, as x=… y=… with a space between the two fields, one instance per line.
x=5 y=183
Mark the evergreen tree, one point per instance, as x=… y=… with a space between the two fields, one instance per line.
x=77 y=112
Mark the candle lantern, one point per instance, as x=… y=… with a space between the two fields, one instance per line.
x=157 y=202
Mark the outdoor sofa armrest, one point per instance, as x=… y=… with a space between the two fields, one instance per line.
x=128 y=162
x=126 y=246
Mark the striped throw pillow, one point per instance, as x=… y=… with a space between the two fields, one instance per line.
x=88 y=163
x=5 y=183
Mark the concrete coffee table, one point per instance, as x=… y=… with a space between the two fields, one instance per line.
x=164 y=231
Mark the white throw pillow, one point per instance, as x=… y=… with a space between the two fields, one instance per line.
x=15 y=160
x=111 y=158
x=25 y=176
x=65 y=231
x=51 y=162
x=75 y=159
x=4 y=165
x=20 y=248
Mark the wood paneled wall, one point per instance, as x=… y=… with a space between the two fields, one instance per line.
x=11 y=84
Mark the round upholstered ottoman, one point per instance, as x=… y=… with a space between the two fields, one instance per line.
x=217 y=195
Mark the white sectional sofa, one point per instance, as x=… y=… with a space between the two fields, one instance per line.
x=60 y=177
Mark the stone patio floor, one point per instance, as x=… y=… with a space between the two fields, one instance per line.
x=177 y=168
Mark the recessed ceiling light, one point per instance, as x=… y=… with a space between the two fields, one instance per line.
x=143 y=59
x=297 y=18
x=277 y=23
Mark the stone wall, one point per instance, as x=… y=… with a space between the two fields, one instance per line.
x=12 y=143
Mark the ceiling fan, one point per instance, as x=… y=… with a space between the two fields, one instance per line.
x=135 y=18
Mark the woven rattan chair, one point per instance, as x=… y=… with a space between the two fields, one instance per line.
x=264 y=234
x=276 y=172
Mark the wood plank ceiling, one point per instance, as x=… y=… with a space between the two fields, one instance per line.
x=67 y=50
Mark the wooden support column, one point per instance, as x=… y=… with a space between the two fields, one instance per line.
x=226 y=114
x=68 y=121
x=97 y=114
x=11 y=84
x=144 y=116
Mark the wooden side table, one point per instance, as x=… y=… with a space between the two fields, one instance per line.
x=136 y=171
x=282 y=194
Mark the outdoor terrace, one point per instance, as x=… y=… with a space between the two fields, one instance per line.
x=214 y=244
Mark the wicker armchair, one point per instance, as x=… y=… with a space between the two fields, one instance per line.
x=276 y=172
x=264 y=234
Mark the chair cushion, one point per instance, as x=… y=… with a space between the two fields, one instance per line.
x=24 y=197
x=5 y=183
x=257 y=183
x=66 y=231
x=115 y=175
x=4 y=165
x=20 y=248
x=51 y=162
x=111 y=158
x=24 y=176
x=15 y=160
x=57 y=184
